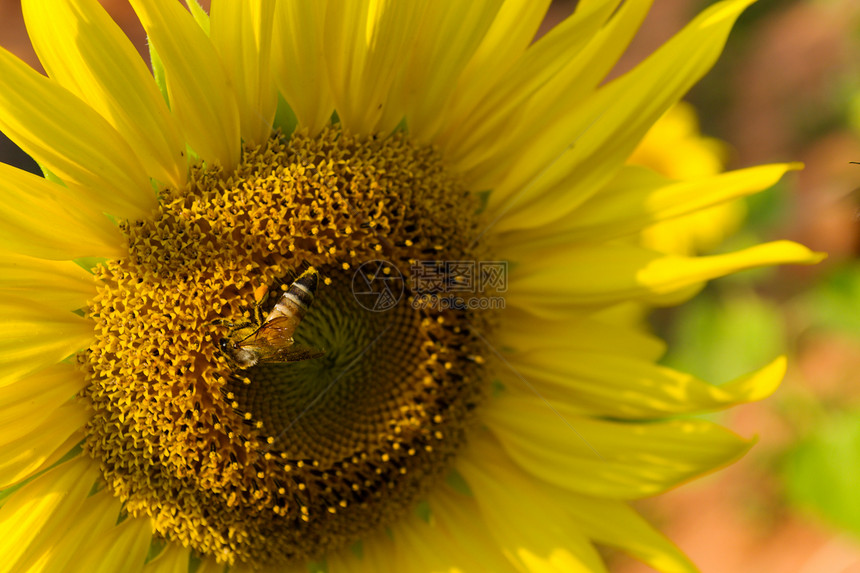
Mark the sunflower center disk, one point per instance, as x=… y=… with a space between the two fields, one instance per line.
x=285 y=461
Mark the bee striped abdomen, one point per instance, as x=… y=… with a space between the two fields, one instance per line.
x=298 y=297
x=302 y=290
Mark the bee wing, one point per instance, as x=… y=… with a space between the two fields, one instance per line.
x=273 y=342
x=292 y=353
x=276 y=332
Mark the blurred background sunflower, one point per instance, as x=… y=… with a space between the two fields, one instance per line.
x=787 y=89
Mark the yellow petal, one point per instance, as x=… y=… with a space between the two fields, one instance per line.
x=173 y=559
x=454 y=540
x=606 y=459
x=509 y=35
x=459 y=517
x=242 y=34
x=448 y=36
x=202 y=96
x=609 y=383
x=200 y=15
x=87 y=53
x=598 y=275
x=34 y=337
x=26 y=458
x=364 y=43
x=34 y=211
x=33 y=516
x=426 y=547
x=678 y=130
x=73 y=141
x=376 y=555
x=637 y=198
x=298 y=64
x=615 y=524
x=580 y=150
x=25 y=404
x=209 y=565
x=122 y=548
x=62 y=284
x=24 y=454
x=531 y=529
x=551 y=78
x=522 y=332
x=96 y=517
x=702 y=231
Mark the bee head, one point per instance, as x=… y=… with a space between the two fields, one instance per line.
x=224 y=344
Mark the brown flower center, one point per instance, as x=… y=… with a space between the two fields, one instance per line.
x=285 y=461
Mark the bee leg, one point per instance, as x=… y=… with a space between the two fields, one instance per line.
x=230 y=324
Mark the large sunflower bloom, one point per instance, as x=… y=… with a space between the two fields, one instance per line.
x=424 y=439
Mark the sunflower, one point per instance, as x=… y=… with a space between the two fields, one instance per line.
x=454 y=199
x=675 y=148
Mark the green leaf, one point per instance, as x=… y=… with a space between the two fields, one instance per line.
x=820 y=473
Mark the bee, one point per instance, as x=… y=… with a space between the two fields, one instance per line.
x=270 y=339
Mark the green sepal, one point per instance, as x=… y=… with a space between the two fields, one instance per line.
x=156 y=546
x=423 y=511
x=483 y=200
x=89 y=263
x=402 y=127
x=458 y=483
x=4 y=494
x=50 y=176
x=194 y=563
x=285 y=118
x=200 y=15
x=158 y=72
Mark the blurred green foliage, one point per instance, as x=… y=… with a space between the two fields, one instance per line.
x=821 y=472
x=726 y=333
x=834 y=303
